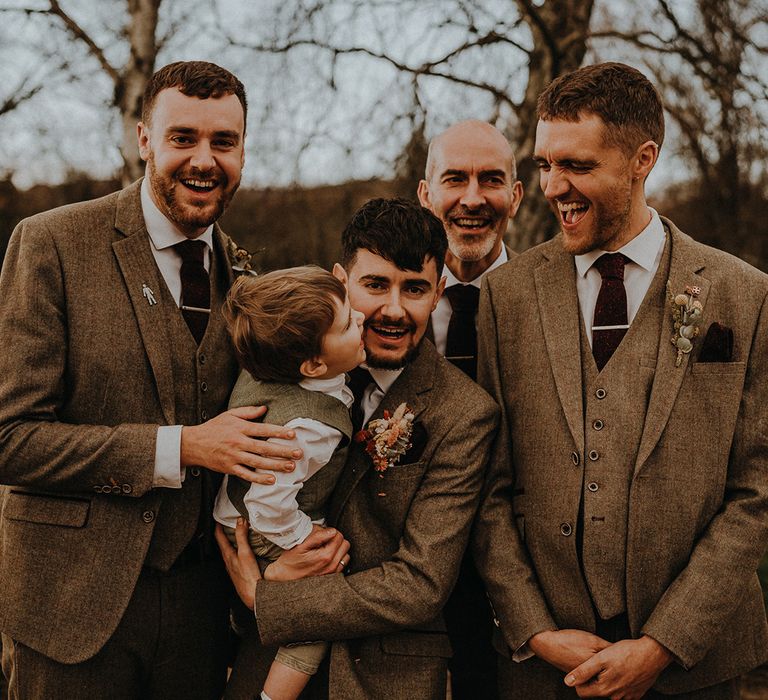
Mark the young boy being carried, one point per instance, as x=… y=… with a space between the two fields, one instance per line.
x=295 y=335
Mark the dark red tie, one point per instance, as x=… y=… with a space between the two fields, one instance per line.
x=461 y=342
x=610 y=321
x=195 y=287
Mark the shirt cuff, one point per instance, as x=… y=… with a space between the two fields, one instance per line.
x=168 y=472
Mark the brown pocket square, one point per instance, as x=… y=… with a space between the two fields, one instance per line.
x=718 y=344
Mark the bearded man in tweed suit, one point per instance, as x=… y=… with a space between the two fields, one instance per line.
x=110 y=401
x=628 y=505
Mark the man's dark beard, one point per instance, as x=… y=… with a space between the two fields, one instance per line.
x=383 y=363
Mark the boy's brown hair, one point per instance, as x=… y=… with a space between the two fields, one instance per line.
x=278 y=320
x=626 y=101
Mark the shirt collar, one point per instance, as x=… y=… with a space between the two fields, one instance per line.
x=334 y=386
x=451 y=279
x=384 y=378
x=161 y=230
x=643 y=249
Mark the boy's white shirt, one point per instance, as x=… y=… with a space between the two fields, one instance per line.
x=272 y=508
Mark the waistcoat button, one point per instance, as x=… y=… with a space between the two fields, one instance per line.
x=600 y=393
x=598 y=424
x=148 y=516
x=203 y=387
x=592 y=486
x=566 y=529
x=594 y=455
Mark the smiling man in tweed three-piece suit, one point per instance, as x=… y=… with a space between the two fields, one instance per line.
x=407 y=525
x=110 y=584
x=627 y=502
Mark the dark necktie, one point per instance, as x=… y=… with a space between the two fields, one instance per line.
x=359 y=379
x=195 y=287
x=610 y=321
x=461 y=342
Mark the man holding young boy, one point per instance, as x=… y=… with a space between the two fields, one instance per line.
x=407 y=523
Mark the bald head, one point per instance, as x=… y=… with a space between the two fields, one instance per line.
x=471 y=186
x=475 y=135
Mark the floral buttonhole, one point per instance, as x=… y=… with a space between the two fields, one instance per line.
x=388 y=438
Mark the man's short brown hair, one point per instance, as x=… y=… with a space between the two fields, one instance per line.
x=626 y=101
x=278 y=320
x=193 y=79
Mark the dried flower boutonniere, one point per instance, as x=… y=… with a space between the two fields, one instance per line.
x=239 y=258
x=686 y=313
x=388 y=438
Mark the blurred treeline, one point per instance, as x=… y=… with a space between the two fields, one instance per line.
x=295 y=226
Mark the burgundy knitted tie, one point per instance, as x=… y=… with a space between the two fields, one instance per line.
x=195 y=287
x=461 y=341
x=610 y=322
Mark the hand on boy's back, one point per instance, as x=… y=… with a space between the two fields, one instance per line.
x=325 y=551
x=231 y=443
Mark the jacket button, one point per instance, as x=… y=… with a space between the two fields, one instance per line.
x=566 y=529
x=148 y=516
x=592 y=486
x=598 y=424
x=195 y=471
x=600 y=393
x=127 y=488
x=594 y=455
x=575 y=458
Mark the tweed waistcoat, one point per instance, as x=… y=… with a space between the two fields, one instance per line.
x=286 y=402
x=202 y=377
x=615 y=404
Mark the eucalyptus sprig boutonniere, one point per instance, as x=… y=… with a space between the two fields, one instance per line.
x=387 y=439
x=686 y=313
x=239 y=258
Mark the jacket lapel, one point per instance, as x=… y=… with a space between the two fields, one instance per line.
x=412 y=387
x=555 y=280
x=685 y=266
x=137 y=264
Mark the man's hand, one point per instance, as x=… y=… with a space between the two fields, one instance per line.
x=231 y=444
x=241 y=563
x=325 y=551
x=624 y=671
x=566 y=649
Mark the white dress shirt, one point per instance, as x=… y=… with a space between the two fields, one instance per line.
x=163 y=235
x=441 y=316
x=373 y=394
x=272 y=508
x=644 y=252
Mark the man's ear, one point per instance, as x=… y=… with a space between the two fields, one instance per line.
x=439 y=291
x=644 y=159
x=314 y=368
x=142 y=134
x=340 y=274
x=517 y=197
x=423 y=194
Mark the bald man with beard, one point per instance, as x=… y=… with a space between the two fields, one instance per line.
x=471 y=185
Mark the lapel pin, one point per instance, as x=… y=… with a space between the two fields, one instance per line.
x=149 y=295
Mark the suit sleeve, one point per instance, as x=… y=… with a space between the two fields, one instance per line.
x=699 y=602
x=501 y=558
x=411 y=587
x=37 y=448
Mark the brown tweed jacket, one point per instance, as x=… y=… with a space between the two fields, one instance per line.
x=698 y=499
x=408 y=530
x=85 y=379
